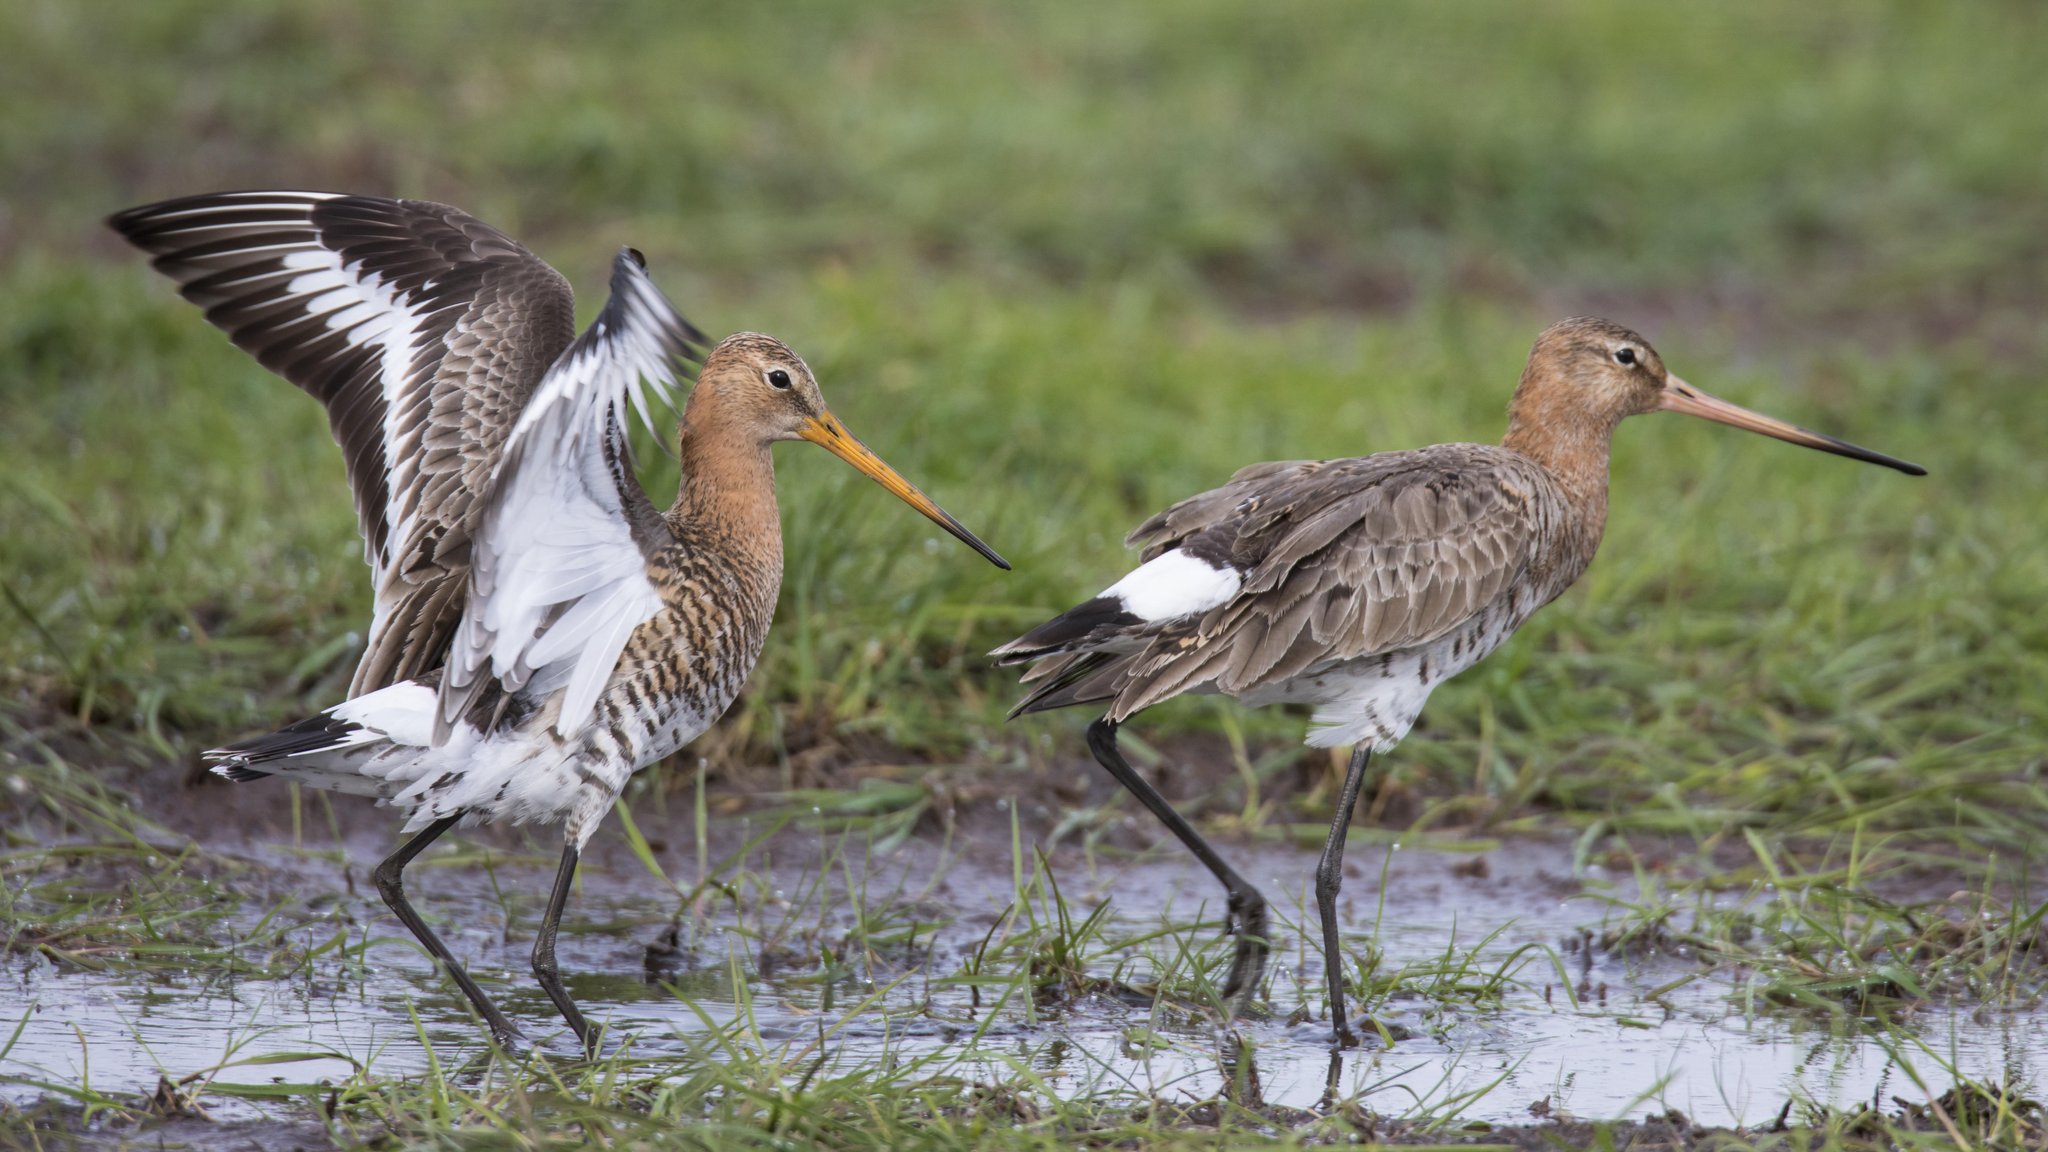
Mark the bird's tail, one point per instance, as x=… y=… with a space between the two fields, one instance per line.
x=1082 y=626
x=329 y=749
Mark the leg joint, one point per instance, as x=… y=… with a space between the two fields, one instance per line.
x=390 y=881
x=1102 y=737
x=1329 y=878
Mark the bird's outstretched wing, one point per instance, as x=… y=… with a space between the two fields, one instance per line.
x=559 y=577
x=1292 y=565
x=422 y=330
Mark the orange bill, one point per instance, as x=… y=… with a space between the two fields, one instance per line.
x=1682 y=397
x=827 y=432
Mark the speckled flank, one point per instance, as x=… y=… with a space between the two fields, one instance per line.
x=681 y=670
x=679 y=673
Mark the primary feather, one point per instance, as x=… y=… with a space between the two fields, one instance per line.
x=421 y=329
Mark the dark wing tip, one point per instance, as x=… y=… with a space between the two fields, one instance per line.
x=1081 y=682
x=130 y=219
x=630 y=278
x=125 y=221
x=137 y=223
x=1072 y=627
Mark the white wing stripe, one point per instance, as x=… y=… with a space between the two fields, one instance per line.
x=360 y=317
x=559 y=584
x=319 y=286
x=298 y=202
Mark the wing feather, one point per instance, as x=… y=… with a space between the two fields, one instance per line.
x=559 y=576
x=375 y=306
x=1342 y=559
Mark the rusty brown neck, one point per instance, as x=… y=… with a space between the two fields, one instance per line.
x=1572 y=444
x=727 y=490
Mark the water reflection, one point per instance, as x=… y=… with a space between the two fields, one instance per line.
x=1536 y=1053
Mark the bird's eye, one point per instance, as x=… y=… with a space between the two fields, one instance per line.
x=1624 y=355
x=778 y=378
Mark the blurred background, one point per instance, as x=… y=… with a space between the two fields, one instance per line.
x=1063 y=263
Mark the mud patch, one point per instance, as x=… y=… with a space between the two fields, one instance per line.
x=1508 y=994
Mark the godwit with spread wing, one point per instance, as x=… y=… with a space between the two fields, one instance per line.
x=541 y=630
x=1356 y=586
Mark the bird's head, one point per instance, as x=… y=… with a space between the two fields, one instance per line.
x=1593 y=373
x=763 y=389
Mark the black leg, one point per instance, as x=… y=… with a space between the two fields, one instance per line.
x=1246 y=908
x=544 y=969
x=390 y=877
x=1330 y=877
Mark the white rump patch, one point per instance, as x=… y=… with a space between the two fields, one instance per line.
x=402 y=714
x=1175 y=584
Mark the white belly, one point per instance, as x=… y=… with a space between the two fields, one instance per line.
x=530 y=775
x=381 y=745
x=1375 y=700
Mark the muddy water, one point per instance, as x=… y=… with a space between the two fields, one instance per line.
x=1613 y=1054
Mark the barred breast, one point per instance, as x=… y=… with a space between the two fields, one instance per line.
x=682 y=668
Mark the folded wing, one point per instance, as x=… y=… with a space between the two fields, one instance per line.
x=1330 y=561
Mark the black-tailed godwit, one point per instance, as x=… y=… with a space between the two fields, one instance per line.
x=540 y=630
x=1357 y=586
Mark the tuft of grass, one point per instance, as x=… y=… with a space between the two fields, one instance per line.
x=1818 y=935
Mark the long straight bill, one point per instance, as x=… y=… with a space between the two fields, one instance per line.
x=1682 y=397
x=828 y=433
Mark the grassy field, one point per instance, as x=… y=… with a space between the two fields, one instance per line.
x=1062 y=264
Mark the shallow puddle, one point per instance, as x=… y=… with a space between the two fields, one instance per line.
x=1614 y=1052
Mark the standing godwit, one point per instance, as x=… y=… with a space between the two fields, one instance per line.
x=1358 y=585
x=541 y=630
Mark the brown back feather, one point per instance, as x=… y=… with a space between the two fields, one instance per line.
x=1343 y=559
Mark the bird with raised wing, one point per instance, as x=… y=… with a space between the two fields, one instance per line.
x=1356 y=586
x=541 y=630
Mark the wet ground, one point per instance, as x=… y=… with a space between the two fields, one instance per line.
x=1507 y=1016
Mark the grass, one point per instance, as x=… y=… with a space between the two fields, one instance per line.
x=910 y=1054
x=1062 y=265
x=1822 y=935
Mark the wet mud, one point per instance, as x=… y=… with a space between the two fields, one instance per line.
x=1511 y=1013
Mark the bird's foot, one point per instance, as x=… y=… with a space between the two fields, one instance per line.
x=1240 y=1069
x=567 y=1045
x=512 y=1042
x=1364 y=1029
x=556 y=1045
